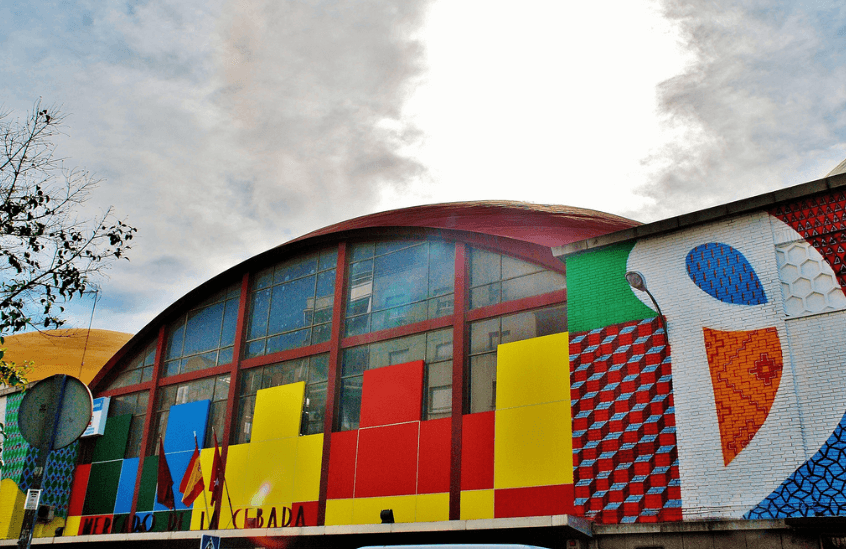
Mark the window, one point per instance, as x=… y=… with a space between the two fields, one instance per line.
x=485 y=335
x=435 y=348
x=215 y=389
x=134 y=404
x=496 y=278
x=313 y=370
x=398 y=282
x=138 y=370
x=203 y=337
x=291 y=304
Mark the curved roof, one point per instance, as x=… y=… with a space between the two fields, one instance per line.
x=546 y=225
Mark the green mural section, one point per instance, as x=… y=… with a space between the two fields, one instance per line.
x=597 y=292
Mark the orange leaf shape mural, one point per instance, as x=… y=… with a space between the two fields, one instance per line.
x=745 y=370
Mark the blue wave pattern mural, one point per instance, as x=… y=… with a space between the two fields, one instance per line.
x=817 y=488
x=725 y=274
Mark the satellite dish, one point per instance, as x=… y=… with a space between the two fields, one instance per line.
x=55 y=412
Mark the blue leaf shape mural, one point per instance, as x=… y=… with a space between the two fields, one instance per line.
x=725 y=274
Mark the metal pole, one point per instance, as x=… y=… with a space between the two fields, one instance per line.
x=25 y=540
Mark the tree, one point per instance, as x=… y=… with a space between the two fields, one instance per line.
x=48 y=254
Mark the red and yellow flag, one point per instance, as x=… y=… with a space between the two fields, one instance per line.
x=192 y=484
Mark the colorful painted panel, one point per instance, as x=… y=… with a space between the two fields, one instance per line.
x=746 y=371
x=725 y=274
x=624 y=442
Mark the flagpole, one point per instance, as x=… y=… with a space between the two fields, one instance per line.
x=226 y=486
x=205 y=499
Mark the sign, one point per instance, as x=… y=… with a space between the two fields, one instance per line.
x=99 y=411
x=209 y=542
x=54 y=412
x=32 y=499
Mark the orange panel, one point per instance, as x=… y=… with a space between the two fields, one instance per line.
x=746 y=371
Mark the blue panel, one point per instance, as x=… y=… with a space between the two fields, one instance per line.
x=725 y=274
x=178 y=463
x=126 y=486
x=182 y=422
x=817 y=488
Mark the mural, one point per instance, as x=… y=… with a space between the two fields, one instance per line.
x=730 y=404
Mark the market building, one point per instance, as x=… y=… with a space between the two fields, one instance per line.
x=488 y=371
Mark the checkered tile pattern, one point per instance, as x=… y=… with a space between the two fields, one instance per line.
x=624 y=438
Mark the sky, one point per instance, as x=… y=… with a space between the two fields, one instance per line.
x=223 y=128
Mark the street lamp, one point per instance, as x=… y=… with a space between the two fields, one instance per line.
x=638 y=282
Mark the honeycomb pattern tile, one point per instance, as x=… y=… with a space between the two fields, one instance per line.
x=807 y=285
x=625 y=456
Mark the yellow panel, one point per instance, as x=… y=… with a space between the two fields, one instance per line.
x=533 y=371
x=339 y=511
x=11 y=512
x=278 y=412
x=72 y=526
x=199 y=505
x=366 y=510
x=432 y=507
x=477 y=504
x=533 y=446
x=307 y=476
x=236 y=470
x=48 y=530
x=269 y=479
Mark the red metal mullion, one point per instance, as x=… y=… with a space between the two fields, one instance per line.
x=527 y=303
x=332 y=388
x=147 y=385
x=399 y=331
x=232 y=398
x=148 y=419
x=281 y=356
x=459 y=367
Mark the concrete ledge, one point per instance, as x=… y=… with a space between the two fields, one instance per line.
x=688 y=526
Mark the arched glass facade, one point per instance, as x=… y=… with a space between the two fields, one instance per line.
x=327 y=316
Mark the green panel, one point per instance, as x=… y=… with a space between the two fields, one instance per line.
x=112 y=445
x=171 y=521
x=102 y=488
x=597 y=292
x=120 y=524
x=147 y=490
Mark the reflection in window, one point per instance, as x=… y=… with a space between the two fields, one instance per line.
x=485 y=335
x=134 y=404
x=138 y=370
x=215 y=389
x=291 y=304
x=203 y=337
x=313 y=370
x=398 y=282
x=496 y=278
x=435 y=348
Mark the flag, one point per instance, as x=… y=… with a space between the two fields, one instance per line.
x=216 y=481
x=216 y=486
x=192 y=484
x=164 y=488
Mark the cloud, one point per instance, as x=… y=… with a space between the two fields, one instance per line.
x=221 y=128
x=760 y=107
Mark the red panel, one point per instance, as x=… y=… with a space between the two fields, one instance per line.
x=433 y=476
x=477 y=451
x=393 y=394
x=304 y=513
x=78 y=488
x=342 y=465
x=387 y=461
x=534 y=501
x=95 y=524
